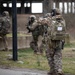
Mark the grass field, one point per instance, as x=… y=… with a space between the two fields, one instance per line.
x=27 y=59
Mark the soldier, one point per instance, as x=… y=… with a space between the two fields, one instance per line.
x=4 y=27
x=37 y=28
x=32 y=24
x=53 y=51
x=44 y=22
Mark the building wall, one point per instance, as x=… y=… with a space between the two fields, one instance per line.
x=22 y=42
x=25 y=38
x=69 y=18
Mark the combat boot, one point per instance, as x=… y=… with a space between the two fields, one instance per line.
x=60 y=72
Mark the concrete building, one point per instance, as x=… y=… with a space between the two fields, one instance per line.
x=25 y=6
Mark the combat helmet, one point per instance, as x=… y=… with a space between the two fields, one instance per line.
x=48 y=15
x=5 y=13
x=56 y=11
x=32 y=16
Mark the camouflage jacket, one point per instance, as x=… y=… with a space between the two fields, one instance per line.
x=5 y=25
x=48 y=39
x=33 y=25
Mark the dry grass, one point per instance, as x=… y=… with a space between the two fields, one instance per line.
x=19 y=34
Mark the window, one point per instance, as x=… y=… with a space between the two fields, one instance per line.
x=10 y=4
x=73 y=8
x=61 y=6
x=18 y=5
x=37 y=8
x=69 y=7
x=54 y=5
x=65 y=7
x=26 y=4
x=4 y=4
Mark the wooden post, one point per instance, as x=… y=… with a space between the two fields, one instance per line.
x=22 y=7
x=45 y=6
x=50 y=5
x=74 y=6
x=30 y=6
x=71 y=6
x=67 y=7
x=62 y=6
x=57 y=4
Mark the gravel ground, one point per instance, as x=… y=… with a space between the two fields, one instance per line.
x=18 y=71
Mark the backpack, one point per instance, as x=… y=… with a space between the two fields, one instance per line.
x=58 y=30
x=4 y=25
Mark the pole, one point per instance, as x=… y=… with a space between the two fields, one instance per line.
x=14 y=29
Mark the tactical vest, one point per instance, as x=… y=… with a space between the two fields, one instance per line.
x=58 y=30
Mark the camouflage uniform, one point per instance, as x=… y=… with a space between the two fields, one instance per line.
x=32 y=27
x=44 y=23
x=5 y=20
x=37 y=28
x=54 y=52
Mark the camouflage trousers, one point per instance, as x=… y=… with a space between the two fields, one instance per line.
x=54 y=56
x=36 y=46
x=4 y=39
